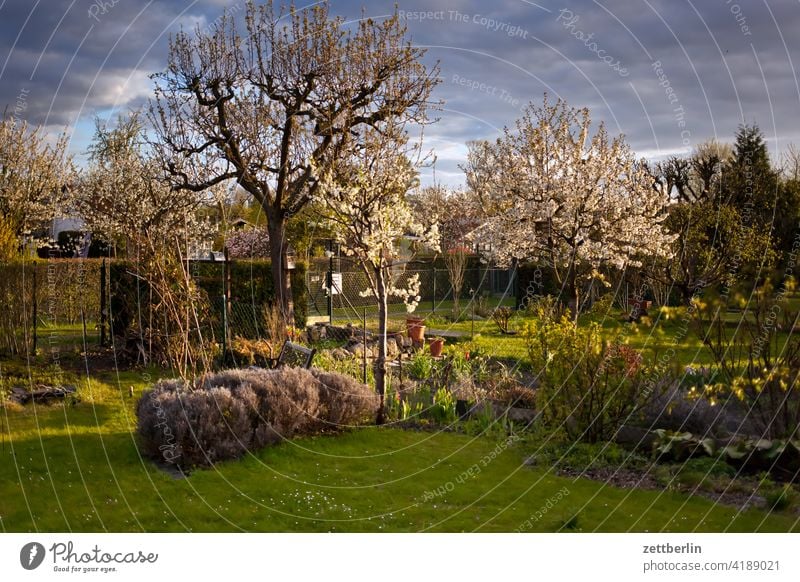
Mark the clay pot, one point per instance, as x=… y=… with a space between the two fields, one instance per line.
x=416 y=329
x=437 y=345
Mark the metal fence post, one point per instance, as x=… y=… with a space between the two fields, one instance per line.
x=224 y=327
x=226 y=290
x=364 y=321
x=103 y=304
x=330 y=281
x=35 y=310
x=433 y=303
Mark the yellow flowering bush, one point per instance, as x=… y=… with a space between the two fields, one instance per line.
x=587 y=386
x=757 y=362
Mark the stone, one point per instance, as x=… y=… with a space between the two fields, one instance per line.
x=358 y=349
x=391 y=348
x=341 y=354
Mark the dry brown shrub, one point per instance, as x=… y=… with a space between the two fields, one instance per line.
x=226 y=414
x=345 y=401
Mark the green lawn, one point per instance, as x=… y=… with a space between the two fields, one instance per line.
x=654 y=336
x=75 y=467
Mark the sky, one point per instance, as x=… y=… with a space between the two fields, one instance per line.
x=669 y=74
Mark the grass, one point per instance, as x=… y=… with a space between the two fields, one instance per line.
x=75 y=467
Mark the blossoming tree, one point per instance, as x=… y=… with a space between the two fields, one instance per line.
x=455 y=214
x=249 y=243
x=554 y=193
x=364 y=198
x=34 y=178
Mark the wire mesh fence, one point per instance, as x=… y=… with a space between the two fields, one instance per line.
x=484 y=309
x=483 y=290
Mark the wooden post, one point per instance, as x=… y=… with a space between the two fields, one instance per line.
x=103 y=306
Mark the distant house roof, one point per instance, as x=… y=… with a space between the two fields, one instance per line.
x=240 y=223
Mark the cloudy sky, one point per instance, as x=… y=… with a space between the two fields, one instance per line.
x=668 y=74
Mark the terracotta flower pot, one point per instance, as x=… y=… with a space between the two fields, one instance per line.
x=416 y=329
x=437 y=345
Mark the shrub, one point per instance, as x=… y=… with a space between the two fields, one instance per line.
x=502 y=317
x=421 y=366
x=519 y=396
x=711 y=466
x=251 y=286
x=192 y=428
x=344 y=401
x=677 y=409
x=286 y=399
x=756 y=364
x=64 y=288
x=247 y=352
x=585 y=385
x=584 y=456
x=344 y=362
x=779 y=499
x=545 y=307
x=224 y=415
x=443 y=409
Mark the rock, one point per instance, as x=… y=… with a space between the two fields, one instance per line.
x=391 y=348
x=634 y=436
x=358 y=349
x=341 y=354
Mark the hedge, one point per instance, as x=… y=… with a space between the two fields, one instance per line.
x=251 y=285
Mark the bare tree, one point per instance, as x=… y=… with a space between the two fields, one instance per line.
x=696 y=178
x=455 y=214
x=790 y=163
x=295 y=91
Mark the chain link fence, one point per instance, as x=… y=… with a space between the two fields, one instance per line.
x=471 y=315
x=483 y=290
x=42 y=296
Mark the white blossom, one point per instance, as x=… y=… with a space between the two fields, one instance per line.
x=554 y=194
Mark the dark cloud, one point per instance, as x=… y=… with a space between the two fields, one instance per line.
x=74 y=58
x=722 y=62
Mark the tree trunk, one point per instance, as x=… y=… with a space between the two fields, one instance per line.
x=380 y=362
x=281 y=277
x=574 y=292
x=687 y=293
x=576 y=298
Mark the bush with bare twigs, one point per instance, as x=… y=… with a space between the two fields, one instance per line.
x=224 y=415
